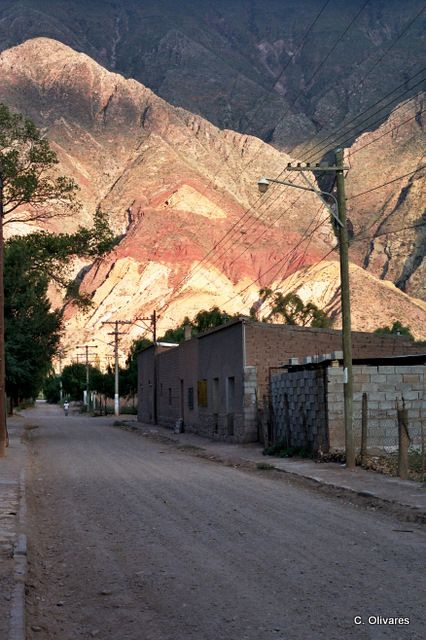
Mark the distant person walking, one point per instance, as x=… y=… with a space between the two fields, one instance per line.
x=66 y=407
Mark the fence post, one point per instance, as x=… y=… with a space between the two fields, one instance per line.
x=403 y=441
x=364 y=429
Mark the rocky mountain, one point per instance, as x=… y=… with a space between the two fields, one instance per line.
x=389 y=222
x=282 y=70
x=183 y=195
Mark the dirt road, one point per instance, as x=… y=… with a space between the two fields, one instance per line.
x=132 y=539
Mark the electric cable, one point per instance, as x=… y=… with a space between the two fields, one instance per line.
x=379 y=186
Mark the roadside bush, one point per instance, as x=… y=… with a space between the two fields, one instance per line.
x=281 y=450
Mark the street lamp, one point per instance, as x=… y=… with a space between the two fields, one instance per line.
x=264 y=184
x=340 y=216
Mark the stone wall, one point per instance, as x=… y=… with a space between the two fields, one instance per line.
x=250 y=413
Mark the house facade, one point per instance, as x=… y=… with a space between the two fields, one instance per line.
x=219 y=382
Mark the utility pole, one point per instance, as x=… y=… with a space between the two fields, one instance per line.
x=153 y=319
x=346 y=312
x=116 y=333
x=86 y=347
x=155 y=373
x=340 y=216
x=3 y=425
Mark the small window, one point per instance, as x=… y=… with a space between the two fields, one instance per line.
x=215 y=395
x=170 y=396
x=202 y=393
x=230 y=394
x=191 y=398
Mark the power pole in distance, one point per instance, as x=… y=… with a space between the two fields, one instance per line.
x=116 y=333
x=86 y=347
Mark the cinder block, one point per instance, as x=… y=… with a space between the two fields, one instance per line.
x=411 y=395
x=412 y=378
x=386 y=369
x=394 y=378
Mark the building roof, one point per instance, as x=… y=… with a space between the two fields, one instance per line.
x=314 y=362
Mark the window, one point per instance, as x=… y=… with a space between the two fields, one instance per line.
x=230 y=395
x=215 y=395
x=191 y=398
x=170 y=396
x=202 y=393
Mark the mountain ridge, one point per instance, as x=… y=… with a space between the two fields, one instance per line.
x=241 y=64
x=178 y=186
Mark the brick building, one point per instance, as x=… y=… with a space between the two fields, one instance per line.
x=217 y=382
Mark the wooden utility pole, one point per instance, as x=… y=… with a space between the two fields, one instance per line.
x=116 y=333
x=340 y=216
x=364 y=429
x=403 y=440
x=3 y=424
x=154 y=373
x=346 y=312
x=86 y=348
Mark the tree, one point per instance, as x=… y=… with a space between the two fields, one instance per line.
x=32 y=329
x=31 y=183
x=203 y=321
x=129 y=375
x=74 y=380
x=30 y=189
x=289 y=308
x=52 y=389
x=397 y=329
x=52 y=254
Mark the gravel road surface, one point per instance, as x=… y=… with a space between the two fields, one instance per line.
x=131 y=538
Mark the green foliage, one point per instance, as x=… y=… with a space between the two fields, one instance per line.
x=397 y=329
x=129 y=375
x=28 y=175
x=264 y=466
x=28 y=169
x=51 y=389
x=74 y=380
x=51 y=254
x=290 y=309
x=282 y=450
x=203 y=321
x=32 y=329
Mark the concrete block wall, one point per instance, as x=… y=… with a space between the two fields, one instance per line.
x=384 y=385
x=168 y=378
x=299 y=409
x=250 y=432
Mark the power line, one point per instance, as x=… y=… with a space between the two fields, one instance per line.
x=240 y=220
x=344 y=130
x=397 y=126
x=338 y=40
x=384 y=54
x=379 y=186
